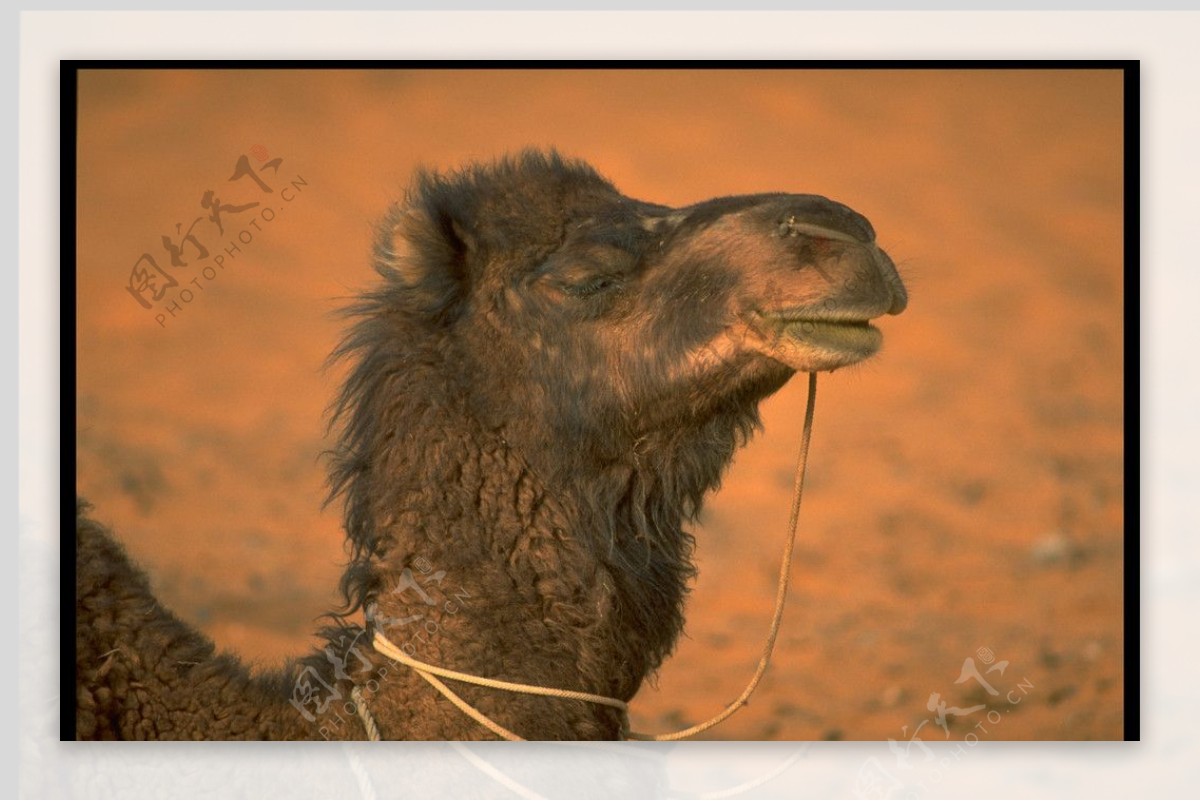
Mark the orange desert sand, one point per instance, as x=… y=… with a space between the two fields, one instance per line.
x=965 y=493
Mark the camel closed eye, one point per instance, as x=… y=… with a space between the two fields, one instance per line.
x=587 y=287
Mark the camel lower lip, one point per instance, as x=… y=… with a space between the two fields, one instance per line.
x=805 y=343
x=856 y=335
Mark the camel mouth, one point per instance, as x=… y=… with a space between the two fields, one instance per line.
x=857 y=336
x=814 y=343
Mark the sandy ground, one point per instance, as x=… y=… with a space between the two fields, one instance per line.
x=964 y=499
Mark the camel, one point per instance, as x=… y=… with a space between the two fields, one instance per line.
x=545 y=382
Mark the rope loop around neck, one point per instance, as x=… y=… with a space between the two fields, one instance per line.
x=431 y=672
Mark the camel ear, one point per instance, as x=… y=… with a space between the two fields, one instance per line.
x=428 y=250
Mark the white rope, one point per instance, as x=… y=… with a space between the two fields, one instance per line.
x=388 y=648
x=364 y=714
x=495 y=773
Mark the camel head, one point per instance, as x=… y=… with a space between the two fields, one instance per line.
x=577 y=314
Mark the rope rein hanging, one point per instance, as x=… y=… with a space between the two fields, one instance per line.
x=431 y=672
x=785 y=568
x=364 y=714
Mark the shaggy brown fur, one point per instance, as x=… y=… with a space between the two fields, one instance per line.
x=546 y=382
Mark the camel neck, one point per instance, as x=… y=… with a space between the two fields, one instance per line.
x=468 y=561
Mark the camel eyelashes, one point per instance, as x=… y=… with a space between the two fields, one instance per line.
x=593 y=286
x=590 y=272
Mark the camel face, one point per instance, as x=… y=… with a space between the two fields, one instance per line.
x=626 y=317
